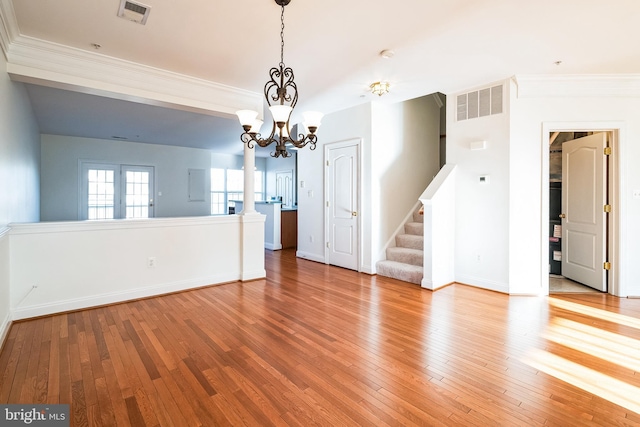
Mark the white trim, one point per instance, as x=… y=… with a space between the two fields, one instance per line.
x=117 y=297
x=570 y=85
x=36 y=61
x=272 y=246
x=8 y=26
x=617 y=240
x=309 y=256
x=4 y=231
x=5 y=326
x=121 y=224
x=483 y=283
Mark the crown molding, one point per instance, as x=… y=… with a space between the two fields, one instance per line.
x=572 y=86
x=8 y=25
x=36 y=61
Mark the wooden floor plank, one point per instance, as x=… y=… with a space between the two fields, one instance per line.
x=315 y=345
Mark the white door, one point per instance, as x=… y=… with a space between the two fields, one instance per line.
x=284 y=187
x=584 y=188
x=342 y=216
x=137 y=188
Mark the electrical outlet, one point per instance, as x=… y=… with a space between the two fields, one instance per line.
x=151 y=262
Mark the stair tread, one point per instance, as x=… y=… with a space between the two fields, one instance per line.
x=400 y=271
x=404 y=249
x=411 y=267
x=406 y=255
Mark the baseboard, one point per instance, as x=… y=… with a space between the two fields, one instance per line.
x=483 y=283
x=309 y=256
x=368 y=270
x=117 y=297
x=253 y=275
x=272 y=247
x=428 y=284
x=4 y=329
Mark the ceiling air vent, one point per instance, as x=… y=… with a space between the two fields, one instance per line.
x=480 y=103
x=135 y=12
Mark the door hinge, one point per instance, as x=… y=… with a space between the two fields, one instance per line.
x=327 y=162
x=328 y=204
x=607 y=208
x=328 y=245
x=607 y=265
x=607 y=151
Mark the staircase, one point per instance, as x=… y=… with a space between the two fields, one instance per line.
x=405 y=261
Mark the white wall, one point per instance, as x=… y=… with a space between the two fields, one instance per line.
x=19 y=181
x=5 y=284
x=504 y=222
x=482 y=210
x=400 y=156
x=60 y=170
x=348 y=124
x=405 y=159
x=89 y=263
x=599 y=102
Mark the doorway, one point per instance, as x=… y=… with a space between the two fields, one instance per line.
x=342 y=193
x=582 y=193
x=284 y=188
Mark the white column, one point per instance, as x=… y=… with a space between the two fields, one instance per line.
x=249 y=205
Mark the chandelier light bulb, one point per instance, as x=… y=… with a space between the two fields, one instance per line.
x=280 y=113
x=247 y=117
x=255 y=126
x=312 y=120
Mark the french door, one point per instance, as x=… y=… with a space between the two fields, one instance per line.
x=110 y=191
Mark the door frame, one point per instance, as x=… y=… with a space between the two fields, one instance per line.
x=615 y=130
x=357 y=142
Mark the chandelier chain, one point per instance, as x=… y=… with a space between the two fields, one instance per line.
x=282 y=37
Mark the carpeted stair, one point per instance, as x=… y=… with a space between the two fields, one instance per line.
x=404 y=262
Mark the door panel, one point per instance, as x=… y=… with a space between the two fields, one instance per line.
x=284 y=188
x=342 y=206
x=138 y=192
x=583 y=200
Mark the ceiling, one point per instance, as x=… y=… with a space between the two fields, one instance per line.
x=332 y=45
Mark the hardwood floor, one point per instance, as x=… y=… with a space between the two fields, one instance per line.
x=319 y=345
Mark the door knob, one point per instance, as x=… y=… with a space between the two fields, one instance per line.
x=562 y=216
x=354 y=213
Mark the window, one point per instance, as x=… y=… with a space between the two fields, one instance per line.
x=227 y=185
x=101 y=193
x=104 y=196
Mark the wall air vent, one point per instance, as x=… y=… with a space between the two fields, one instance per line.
x=135 y=12
x=479 y=103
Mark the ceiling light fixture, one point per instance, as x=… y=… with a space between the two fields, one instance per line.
x=379 y=88
x=387 y=54
x=282 y=91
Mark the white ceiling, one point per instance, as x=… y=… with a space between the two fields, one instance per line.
x=332 y=45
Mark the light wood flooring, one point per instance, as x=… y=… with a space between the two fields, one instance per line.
x=319 y=345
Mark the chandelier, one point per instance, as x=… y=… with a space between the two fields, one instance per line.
x=281 y=93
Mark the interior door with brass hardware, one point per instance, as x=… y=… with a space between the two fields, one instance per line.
x=584 y=210
x=342 y=218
